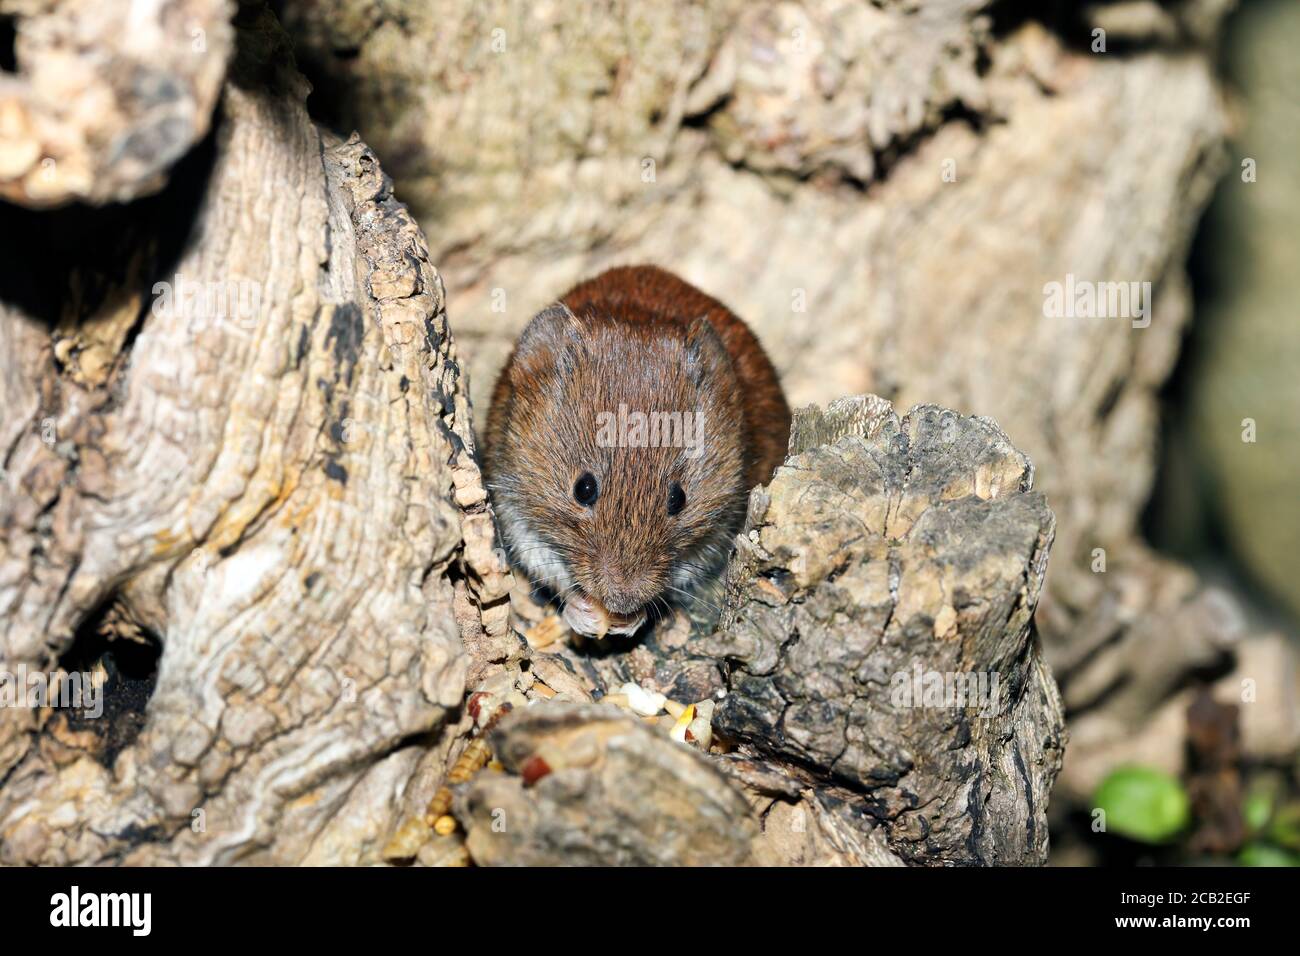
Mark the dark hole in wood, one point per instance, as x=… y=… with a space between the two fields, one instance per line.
x=46 y=251
x=8 y=37
x=124 y=657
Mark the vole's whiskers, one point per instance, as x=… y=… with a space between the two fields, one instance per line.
x=659 y=599
x=536 y=547
x=698 y=569
x=695 y=598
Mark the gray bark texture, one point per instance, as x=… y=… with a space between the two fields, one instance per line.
x=887 y=554
x=287 y=501
x=109 y=95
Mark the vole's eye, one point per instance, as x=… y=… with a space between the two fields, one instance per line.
x=585 y=489
x=676 y=498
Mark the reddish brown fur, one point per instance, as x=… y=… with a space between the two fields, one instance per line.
x=641 y=337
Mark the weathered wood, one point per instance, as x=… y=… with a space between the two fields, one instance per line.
x=611 y=792
x=109 y=94
x=285 y=497
x=878 y=621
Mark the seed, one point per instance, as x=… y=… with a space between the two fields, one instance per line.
x=534 y=769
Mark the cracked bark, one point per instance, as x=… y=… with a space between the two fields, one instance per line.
x=108 y=96
x=285 y=500
x=886 y=555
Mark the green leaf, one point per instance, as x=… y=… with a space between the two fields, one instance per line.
x=1260 y=801
x=1285 y=827
x=1143 y=804
x=1265 y=854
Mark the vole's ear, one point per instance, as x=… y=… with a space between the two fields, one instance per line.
x=553 y=335
x=705 y=352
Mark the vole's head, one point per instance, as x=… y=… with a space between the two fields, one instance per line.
x=617 y=465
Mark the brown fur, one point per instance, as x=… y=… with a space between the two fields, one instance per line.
x=640 y=337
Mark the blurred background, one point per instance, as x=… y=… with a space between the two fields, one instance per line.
x=883 y=191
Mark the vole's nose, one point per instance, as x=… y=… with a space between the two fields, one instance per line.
x=623 y=592
x=622 y=603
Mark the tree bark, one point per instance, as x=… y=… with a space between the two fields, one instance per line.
x=109 y=95
x=286 y=498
